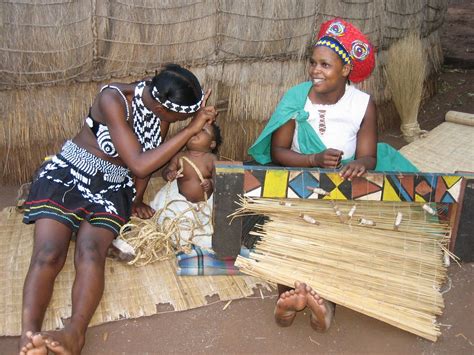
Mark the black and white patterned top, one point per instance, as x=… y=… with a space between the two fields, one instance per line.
x=146 y=125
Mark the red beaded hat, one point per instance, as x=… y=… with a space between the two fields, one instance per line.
x=351 y=45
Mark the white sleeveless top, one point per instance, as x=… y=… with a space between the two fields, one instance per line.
x=337 y=125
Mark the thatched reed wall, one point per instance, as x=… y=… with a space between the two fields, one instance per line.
x=56 y=53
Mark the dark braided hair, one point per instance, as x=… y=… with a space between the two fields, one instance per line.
x=177 y=84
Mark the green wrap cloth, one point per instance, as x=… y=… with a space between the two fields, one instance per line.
x=292 y=106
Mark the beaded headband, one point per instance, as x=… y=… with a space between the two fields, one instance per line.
x=336 y=47
x=175 y=107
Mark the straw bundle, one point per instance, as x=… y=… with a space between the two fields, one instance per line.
x=381 y=259
x=160 y=237
x=406 y=68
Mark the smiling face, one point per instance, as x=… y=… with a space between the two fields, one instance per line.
x=203 y=141
x=327 y=71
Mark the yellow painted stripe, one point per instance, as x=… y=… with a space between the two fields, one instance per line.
x=230 y=169
x=276 y=183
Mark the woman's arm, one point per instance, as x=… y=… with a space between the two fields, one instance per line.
x=164 y=126
x=139 y=208
x=129 y=149
x=366 y=149
x=282 y=154
x=140 y=186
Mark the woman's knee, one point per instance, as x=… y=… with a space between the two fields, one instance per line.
x=90 y=251
x=49 y=255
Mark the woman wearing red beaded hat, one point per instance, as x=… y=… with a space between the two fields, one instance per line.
x=327 y=123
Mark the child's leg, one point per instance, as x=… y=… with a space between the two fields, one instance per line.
x=290 y=302
x=89 y=259
x=51 y=242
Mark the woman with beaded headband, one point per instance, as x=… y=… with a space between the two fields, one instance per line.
x=93 y=186
x=327 y=123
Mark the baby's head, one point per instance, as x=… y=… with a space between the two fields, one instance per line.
x=217 y=137
x=209 y=139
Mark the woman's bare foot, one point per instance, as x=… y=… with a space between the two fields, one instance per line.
x=64 y=342
x=34 y=344
x=322 y=311
x=289 y=303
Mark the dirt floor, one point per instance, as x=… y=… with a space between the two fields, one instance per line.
x=247 y=326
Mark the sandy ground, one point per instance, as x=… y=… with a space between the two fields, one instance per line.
x=247 y=326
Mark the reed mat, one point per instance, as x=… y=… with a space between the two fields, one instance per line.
x=130 y=291
x=384 y=260
x=445 y=149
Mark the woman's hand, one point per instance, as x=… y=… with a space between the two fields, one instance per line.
x=329 y=159
x=205 y=115
x=142 y=210
x=355 y=168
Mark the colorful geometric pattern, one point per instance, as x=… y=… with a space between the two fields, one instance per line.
x=278 y=182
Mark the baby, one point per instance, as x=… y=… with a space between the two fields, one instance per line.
x=201 y=151
x=190 y=177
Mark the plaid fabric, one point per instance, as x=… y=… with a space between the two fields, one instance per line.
x=204 y=262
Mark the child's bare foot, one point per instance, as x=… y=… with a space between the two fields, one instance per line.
x=322 y=311
x=33 y=344
x=289 y=303
x=64 y=342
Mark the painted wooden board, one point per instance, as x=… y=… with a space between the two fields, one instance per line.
x=233 y=179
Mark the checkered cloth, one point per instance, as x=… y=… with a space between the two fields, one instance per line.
x=204 y=262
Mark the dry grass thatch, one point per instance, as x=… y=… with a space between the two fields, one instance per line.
x=249 y=52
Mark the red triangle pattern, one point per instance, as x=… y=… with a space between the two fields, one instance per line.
x=408 y=183
x=440 y=189
x=362 y=187
x=250 y=182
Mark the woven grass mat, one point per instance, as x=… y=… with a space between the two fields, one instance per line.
x=130 y=292
x=445 y=149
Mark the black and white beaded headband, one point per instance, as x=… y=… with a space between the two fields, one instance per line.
x=175 y=107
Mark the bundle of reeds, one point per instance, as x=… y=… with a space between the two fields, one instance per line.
x=382 y=259
x=171 y=230
x=406 y=68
